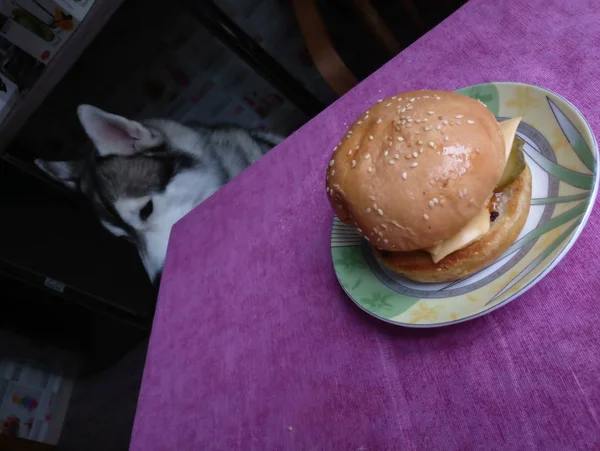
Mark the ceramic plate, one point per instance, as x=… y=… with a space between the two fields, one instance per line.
x=562 y=154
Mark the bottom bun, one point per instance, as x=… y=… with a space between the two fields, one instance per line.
x=513 y=208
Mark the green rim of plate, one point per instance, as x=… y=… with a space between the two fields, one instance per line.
x=562 y=154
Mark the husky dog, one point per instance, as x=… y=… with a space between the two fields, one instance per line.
x=144 y=176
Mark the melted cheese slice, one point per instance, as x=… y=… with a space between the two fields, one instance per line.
x=480 y=224
x=474 y=230
x=509 y=131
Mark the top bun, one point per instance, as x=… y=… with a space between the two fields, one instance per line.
x=415 y=168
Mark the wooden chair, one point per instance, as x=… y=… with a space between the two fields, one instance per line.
x=321 y=49
x=328 y=60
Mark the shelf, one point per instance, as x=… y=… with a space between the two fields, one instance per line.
x=56 y=69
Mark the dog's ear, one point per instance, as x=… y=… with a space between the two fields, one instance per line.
x=66 y=172
x=115 y=135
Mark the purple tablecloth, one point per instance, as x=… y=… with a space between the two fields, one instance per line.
x=256 y=347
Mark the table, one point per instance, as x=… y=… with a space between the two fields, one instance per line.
x=255 y=346
x=207 y=13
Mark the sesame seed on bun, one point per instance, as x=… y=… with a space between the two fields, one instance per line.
x=415 y=168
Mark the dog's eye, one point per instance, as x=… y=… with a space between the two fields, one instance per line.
x=146 y=211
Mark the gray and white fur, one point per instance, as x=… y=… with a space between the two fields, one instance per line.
x=144 y=176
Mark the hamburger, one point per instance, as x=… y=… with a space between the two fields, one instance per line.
x=434 y=182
